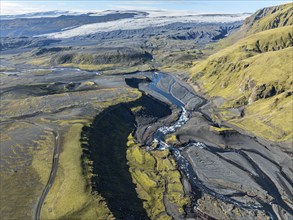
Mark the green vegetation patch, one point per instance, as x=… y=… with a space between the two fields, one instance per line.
x=270 y=118
x=272 y=17
x=70 y=197
x=156 y=178
x=171 y=139
x=25 y=166
x=221 y=129
x=263 y=19
x=253 y=74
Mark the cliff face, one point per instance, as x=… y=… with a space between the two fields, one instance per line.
x=254 y=75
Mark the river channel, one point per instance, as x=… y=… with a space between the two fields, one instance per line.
x=112 y=179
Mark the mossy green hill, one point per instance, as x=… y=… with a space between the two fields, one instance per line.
x=255 y=75
x=269 y=18
x=263 y=19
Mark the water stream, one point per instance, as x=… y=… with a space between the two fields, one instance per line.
x=185 y=167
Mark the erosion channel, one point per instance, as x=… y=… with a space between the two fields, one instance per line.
x=166 y=107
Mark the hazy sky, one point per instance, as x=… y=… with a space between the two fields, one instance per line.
x=228 y=6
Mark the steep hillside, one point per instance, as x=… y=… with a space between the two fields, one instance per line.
x=263 y=19
x=251 y=80
x=269 y=18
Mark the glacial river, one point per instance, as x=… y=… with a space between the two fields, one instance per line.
x=198 y=187
x=185 y=167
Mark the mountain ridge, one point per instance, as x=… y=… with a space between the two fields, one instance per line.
x=254 y=76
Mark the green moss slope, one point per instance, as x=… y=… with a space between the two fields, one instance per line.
x=263 y=19
x=269 y=18
x=255 y=76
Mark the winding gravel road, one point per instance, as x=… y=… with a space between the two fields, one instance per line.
x=38 y=207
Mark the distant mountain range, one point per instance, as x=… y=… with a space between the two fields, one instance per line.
x=65 y=24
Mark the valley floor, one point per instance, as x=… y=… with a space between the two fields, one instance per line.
x=237 y=175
